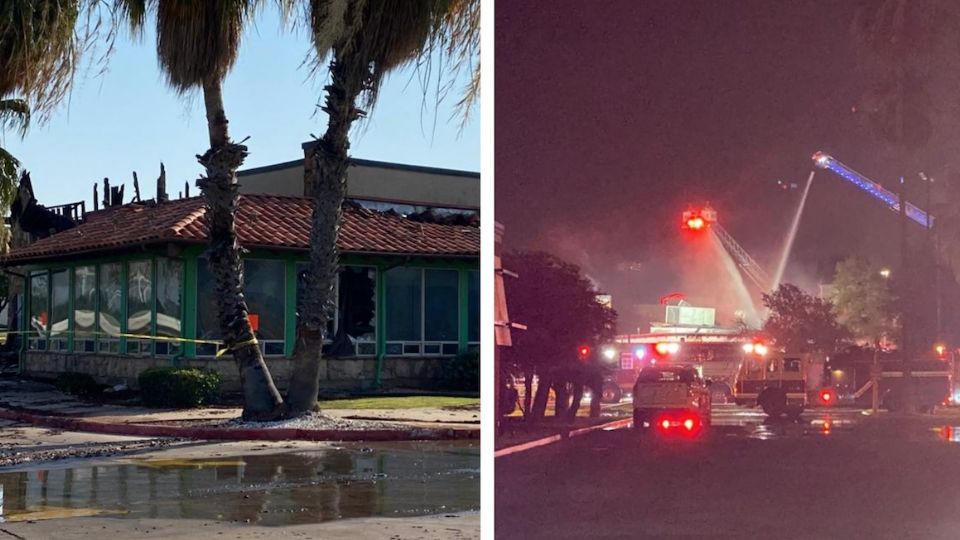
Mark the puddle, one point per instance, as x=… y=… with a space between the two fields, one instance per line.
x=276 y=489
x=784 y=428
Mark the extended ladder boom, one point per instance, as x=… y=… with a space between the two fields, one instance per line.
x=891 y=199
x=743 y=259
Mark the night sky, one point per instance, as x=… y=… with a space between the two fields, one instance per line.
x=612 y=117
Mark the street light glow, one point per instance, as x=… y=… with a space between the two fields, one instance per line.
x=885 y=272
x=609 y=353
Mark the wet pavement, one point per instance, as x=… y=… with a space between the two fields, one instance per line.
x=835 y=473
x=290 y=488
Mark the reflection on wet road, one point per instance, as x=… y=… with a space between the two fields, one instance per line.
x=834 y=473
x=733 y=421
x=279 y=489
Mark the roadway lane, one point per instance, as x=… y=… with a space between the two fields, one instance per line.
x=833 y=474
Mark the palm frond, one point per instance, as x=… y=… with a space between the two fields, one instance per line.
x=199 y=40
x=14 y=114
x=461 y=39
x=39 y=49
x=133 y=13
x=379 y=36
x=374 y=37
x=330 y=21
x=9 y=170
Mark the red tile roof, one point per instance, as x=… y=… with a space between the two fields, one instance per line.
x=264 y=221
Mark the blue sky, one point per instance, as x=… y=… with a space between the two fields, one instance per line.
x=129 y=120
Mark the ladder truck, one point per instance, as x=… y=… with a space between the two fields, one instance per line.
x=777 y=384
x=935 y=381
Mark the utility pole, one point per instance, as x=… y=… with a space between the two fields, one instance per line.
x=933 y=236
x=875 y=378
x=904 y=302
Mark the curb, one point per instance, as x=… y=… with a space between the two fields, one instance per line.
x=616 y=424
x=241 y=434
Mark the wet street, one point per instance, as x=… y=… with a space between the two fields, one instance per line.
x=273 y=489
x=833 y=474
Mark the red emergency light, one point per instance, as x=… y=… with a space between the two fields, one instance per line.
x=698 y=219
x=583 y=351
x=665 y=348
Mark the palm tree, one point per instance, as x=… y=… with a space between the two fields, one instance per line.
x=197 y=45
x=368 y=40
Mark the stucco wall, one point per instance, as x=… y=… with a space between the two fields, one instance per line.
x=340 y=374
x=376 y=183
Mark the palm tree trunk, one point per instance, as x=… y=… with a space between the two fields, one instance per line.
x=539 y=407
x=326 y=183
x=261 y=400
x=575 y=402
x=527 y=390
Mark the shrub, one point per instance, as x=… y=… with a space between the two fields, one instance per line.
x=462 y=373
x=78 y=384
x=178 y=387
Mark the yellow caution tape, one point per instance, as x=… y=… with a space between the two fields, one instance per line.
x=220 y=352
x=242 y=344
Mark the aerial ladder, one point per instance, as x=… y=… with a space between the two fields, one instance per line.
x=889 y=198
x=707 y=217
x=696 y=220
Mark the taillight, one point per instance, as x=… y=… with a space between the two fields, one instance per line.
x=689 y=423
x=665 y=424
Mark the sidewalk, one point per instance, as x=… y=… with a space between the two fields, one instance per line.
x=42 y=404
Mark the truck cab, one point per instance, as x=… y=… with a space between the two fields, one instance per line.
x=777 y=384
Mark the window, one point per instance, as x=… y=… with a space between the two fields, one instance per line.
x=139 y=306
x=59 y=310
x=39 y=310
x=473 y=307
x=351 y=330
x=422 y=311
x=404 y=310
x=109 y=316
x=264 y=290
x=441 y=302
x=169 y=285
x=85 y=308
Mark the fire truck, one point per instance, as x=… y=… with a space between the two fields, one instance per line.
x=777 y=383
x=854 y=372
x=715 y=352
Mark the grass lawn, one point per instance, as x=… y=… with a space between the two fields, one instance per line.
x=408 y=402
